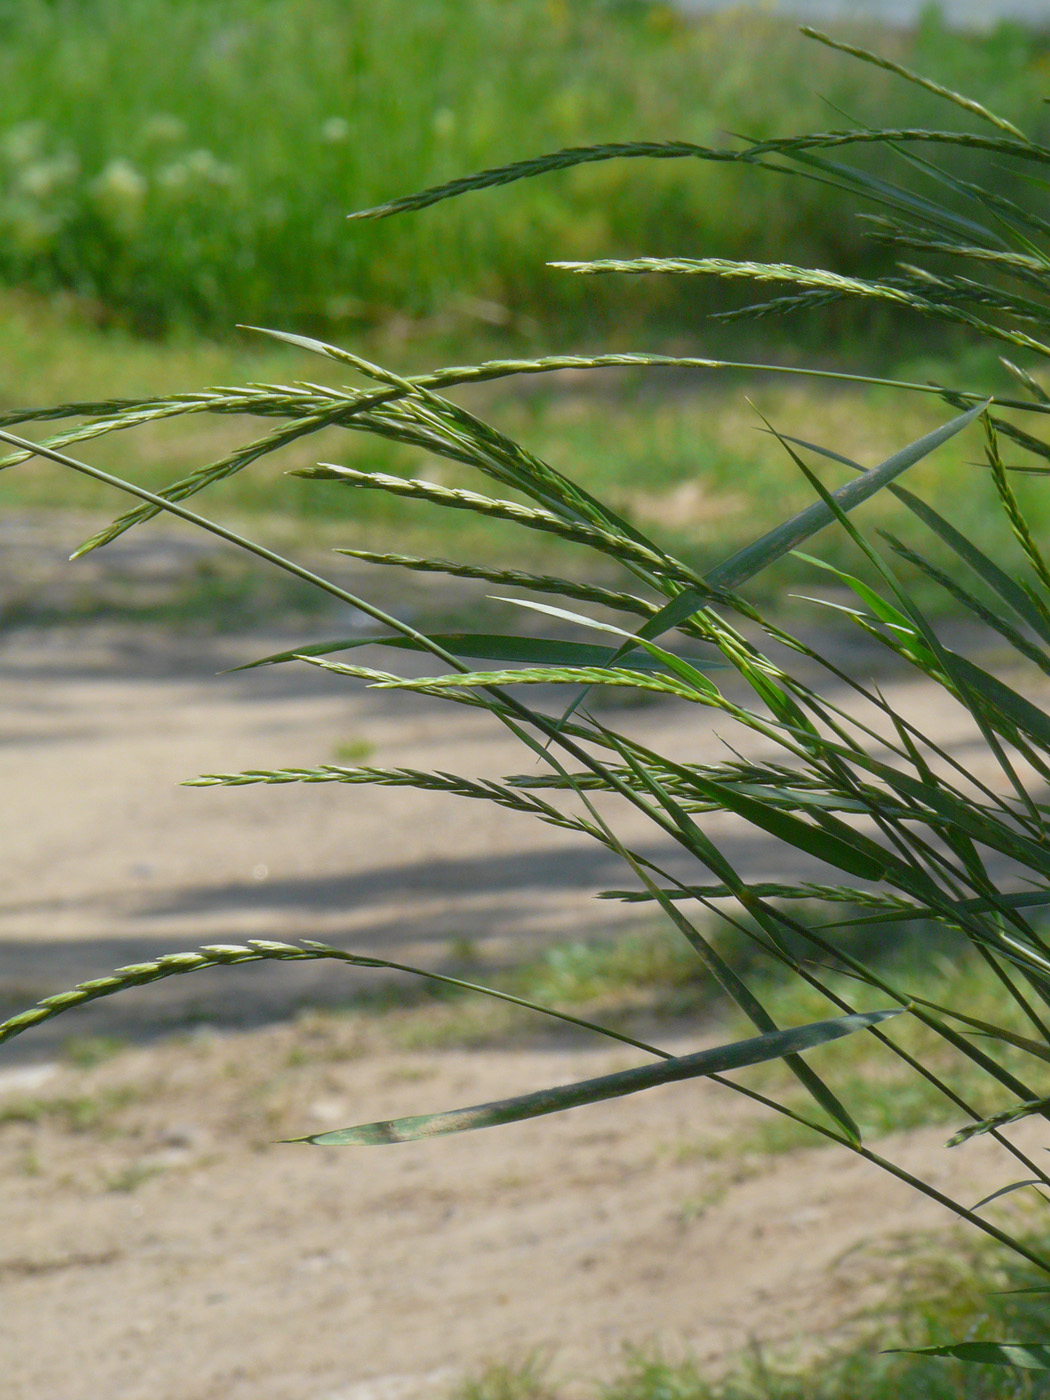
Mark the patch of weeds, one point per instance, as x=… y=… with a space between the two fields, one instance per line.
x=646 y=961
x=463 y=950
x=131 y=1177
x=936 y=1297
x=311 y=1048
x=213 y=594
x=647 y=970
x=525 y=1380
x=647 y=1376
x=85 y=1113
x=87 y=1051
x=26 y=1110
x=862 y=1373
x=409 y=1074
x=322 y=1038
x=695 y=1208
x=738 y=1156
x=511 y=1181
x=770 y=1137
x=449 y=1027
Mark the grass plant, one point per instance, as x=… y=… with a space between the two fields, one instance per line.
x=84 y=1113
x=895 y=828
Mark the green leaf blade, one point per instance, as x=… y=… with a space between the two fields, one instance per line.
x=720 y=1060
x=1029 y=1356
x=484 y=646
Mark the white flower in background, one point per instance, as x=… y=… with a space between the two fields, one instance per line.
x=31 y=217
x=119 y=194
x=335 y=130
x=163 y=129
x=174 y=177
x=205 y=167
x=194 y=169
x=23 y=143
x=46 y=177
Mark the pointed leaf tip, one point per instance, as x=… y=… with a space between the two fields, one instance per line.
x=1029 y=1356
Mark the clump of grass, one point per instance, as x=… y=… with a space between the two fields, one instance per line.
x=896 y=829
x=500 y=1380
x=81 y=1113
x=641 y=961
x=645 y=973
x=128 y=1179
x=932 y=1297
x=935 y=1299
x=87 y=1051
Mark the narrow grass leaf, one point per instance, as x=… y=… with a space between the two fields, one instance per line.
x=823 y=845
x=725 y=1058
x=1006 y=1191
x=486 y=646
x=750 y=561
x=1029 y=1356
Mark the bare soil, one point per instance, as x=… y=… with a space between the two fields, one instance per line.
x=157 y=1241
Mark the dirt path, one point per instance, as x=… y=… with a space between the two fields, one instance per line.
x=172 y=1251
x=108 y=859
x=155 y=1242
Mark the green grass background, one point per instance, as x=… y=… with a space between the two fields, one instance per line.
x=188 y=163
x=169 y=168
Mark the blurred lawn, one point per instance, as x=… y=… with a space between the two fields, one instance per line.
x=683 y=453
x=188 y=163
x=170 y=168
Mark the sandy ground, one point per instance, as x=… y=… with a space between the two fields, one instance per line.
x=172 y=1251
x=155 y=1240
